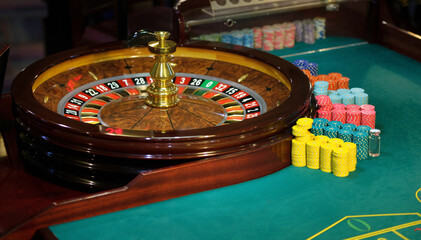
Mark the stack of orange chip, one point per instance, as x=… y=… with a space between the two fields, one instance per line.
x=343 y=82
x=333 y=80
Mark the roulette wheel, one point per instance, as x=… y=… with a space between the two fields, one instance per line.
x=84 y=120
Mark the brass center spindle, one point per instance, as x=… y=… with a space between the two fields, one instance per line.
x=162 y=92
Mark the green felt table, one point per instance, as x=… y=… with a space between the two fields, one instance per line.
x=380 y=200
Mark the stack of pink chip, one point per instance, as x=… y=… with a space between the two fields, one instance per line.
x=353 y=116
x=325 y=107
x=368 y=118
x=339 y=115
x=268 y=38
x=289 y=35
x=258 y=37
x=279 y=36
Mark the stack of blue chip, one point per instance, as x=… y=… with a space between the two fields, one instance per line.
x=335 y=124
x=301 y=63
x=349 y=126
x=320 y=88
x=226 y=37
x=248 y=39
x=361 y=98
x=331 y=132
x=237 y=37
x=299 y=31
x=320 y=122
x=342 y=91
x=363 y=128
x=317 y=131
x=313 y=68
x=335 y=98
x=360 y=138
x=356 y=90
x=345 y=134
x=318 y=126
x=348 y=99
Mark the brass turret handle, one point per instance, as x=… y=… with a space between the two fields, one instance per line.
x=162 y=92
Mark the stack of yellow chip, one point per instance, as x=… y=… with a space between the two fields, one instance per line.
x=340 y=162
x=305 y=122
x=301 y=134
x=336 y=141
x=352 y=158
x=298 y=153
x=326 y=157
x=322 y=139
x=313 y=154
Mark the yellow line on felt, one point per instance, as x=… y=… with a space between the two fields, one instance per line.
x=400 y=235
x=385 y=230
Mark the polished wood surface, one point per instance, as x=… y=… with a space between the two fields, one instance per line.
x=31 y=203
x=204 y=158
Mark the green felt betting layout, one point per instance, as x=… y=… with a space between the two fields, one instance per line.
x=380 y=200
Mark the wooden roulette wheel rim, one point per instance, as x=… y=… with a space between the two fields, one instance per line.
x=69 y=140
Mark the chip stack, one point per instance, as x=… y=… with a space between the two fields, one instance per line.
x=340 y=165
x=352 y=107
x=305 y=122
x=368 y=117
x=331 y=132
x=309 y=34
x=322 y=139
x=289 y=35
x=298 y=153
x=301 y=134
x=342 y=91
x=361 y=98
x=356 y=90
x=348 y=99
x=345 y=134
x=336 y=124
x=320 y=27
x=317 y=131
x=258 y=37
x=354 y=117
x=226 y=37
x=367 y=107
x=279 y=42
x=352 y=157
x=335 y=98
x=313 y=154
x=334 y=75
x=326 y=157
x=339 y=115
x=349 y=126
x=320 y=122
x=324 y=102
x=237 y=38
x=320 y=88
x=248 y=37
x=302 y=64
x=335 y=142
x=318 y=126
x=313 y=68
x=363 y=128
x=326 y=114
x=361 y=140
x=298 y=31
x=339 y=106
x=268 y=38
x=343 y=82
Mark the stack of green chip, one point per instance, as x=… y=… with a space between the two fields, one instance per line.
x=331 y=132
x=360 y=138
x=345 y=134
